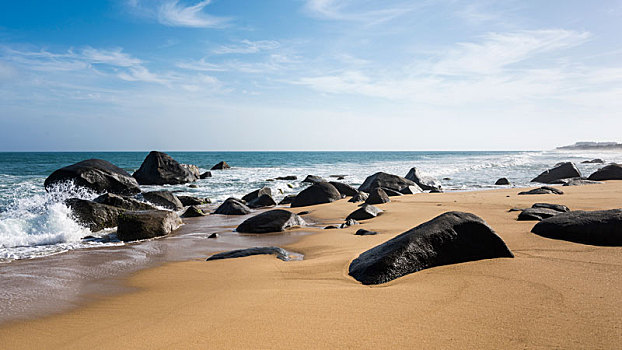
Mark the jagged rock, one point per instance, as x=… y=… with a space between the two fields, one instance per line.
x=377 y=196
x=364 y=232
x=542 y=190
x=191 y=200
x=609 y=172
x=345 y=189
x=318 y=193
x=159 y=168
x=424 y=182
x=123 y=202
x=287 y=178
x=450 y=238
x=135 y=225
x=601 y=227
x=557 y=207
x=359 y=197
x=276 y=220
x=348 y=223
x=502 y=181
x=411 y=190
x=559 y=171
x=192 y=169
x=265 y=200
x=164 y=199
x=97 y=175
x=233 y=206
x=536 y=214
x=593 y=161
x=240 y=253
x=95 y=216
x=253 y=195
x=192 y=212
x=288 y=199
x=367 y=211
x=385 y=180
x=221 y=166
x=205 y=175
x=580 y=182
x=313 y=179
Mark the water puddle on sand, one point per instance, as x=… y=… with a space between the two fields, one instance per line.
x=56 y=283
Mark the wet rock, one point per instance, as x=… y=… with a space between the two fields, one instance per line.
x=411 y=190
x=191 y=200
x=345 y=189
x=240 y=253
x=159 y=168
x=95 y=216
x=436 y=190
x=559 y=171
x=205 y=175
x=359 y=197
x=232 y=206
x=221 y=166
x=377 y=196
x=164 y=199
x=313 y=179
x=318 y=193
x=97 y=175
x=450 y=238
x=276 y=220
x=213 y=235
x=192 y=212
x=593 y=161
x=502 y=181
x=537 y=214
x=331 y=227
x=424 y=182
x=363 y=232
x=287 y=178
x=288 y=199
x=123 y=202
x=253 y=195
x=265 y=200
x=385 y=180
x=136 y=225
x=542 y=190
x=609 y=172
x=601 y=227
x=367 y=211
x=192 y=169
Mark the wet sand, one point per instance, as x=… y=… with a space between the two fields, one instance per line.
x=553 y=294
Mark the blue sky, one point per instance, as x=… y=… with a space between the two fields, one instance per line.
x=308 y=74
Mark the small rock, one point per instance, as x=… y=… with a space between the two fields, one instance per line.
x=193 y=212
x=232 y=206
x=359 y=197
x=363 y=232
x=365 y=212
x=313 y=179
x=593 y=161
x=205 y=175
x=240 y=253
x=213 y=235
x=502 y=181
x=542 y=190
x=221 y=166
x=287 y=178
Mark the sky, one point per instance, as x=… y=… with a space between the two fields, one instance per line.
x=207 y=75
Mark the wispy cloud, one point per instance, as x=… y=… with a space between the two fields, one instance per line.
x=272 y=63
x=369 y=11
x=174 y=14
x=248 y=46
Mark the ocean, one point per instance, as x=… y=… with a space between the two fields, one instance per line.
x=36 y=223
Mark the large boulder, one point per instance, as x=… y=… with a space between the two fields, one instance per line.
x=95 y=216
x=601 y=227
x=276 y=220
x=123 y=202
x=97 y=175
x=265 y=200
x=345 y=189
x=287 y=199
x=136 y=225
x=381 y=179
x=233 y=206
x=318 y=193
x=542 y=190
x=191 y=200
x=164 y=199
x=609 y=172
x=253 y=195
x=560 y=171
x=221 y=166
x=241 y=253
x=159 y=168
x=377 y=196
x=450 y=238
x=425 y=182
x=366 y=211
x=313 y=179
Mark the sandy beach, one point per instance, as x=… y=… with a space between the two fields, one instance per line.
x=553 y=294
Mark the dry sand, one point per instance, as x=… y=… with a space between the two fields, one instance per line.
x=553 y=294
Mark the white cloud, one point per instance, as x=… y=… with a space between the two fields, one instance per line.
x=174 y=14
x=114 y=57
x=142 y=74
x=248 y=46
x=369 y=11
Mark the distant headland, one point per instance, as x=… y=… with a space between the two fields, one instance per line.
x=594 y=146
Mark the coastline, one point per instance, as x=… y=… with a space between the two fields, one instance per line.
x=552 y=294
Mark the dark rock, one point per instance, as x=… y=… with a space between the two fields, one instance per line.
x=193 y=186
x=393 y=193
x=265 y=200
x=213 y=235
x=288 y=199
x=536 y=214
x=446 y=178
x=313 y=179
x=191 y=200
x=411 y=190
x=193 y=212
x=363 y=232
x=233 y=206
x=276 y=220
x=318 y=193
x=164 y=199
x=192 y=169
x=221 y=166
x=557 y=207
x=593 y=161
x=205 y=175
x=359 y=197
x=287 y=178
x=304 y=212
x=560 y=171
x=253 y=195
x=502 y=181
x=240 y=253
x=123 y=202
x=602 y=227
x=609 y=172
x=450 y=238
x=95 y=216
x=515 y=209
x=161 y=169
x=348 y=223
x=424 y=182
x=97 y=175
x=580 y=182
x=338 y=176
x=542 y=190
x=331 y=227
x=377 y=196
x=135 y=225
x=345 y=189
x=436 y=190
x=385 y=180
x=365 y=212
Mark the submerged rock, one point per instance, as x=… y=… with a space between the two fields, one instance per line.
x=205 y=175
x=377 y=196
x=221 y=166
x=450 y=238
x=95 y=216
x=593 y=161
x=542 y=190
x=318 y=193
x=559 y=171
x=380 y=179
x=287 y=178
x=601 y=227
x=276 y=220
x=424 y=182
x=502 y=181
x=164 y=199
x=367 y=211
x=240 y=253
x=136 y=225
x=232 y=206
x=97 y=175
x=159 y=168
x=123 y=202
x=345 y=189
x=609 y=172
